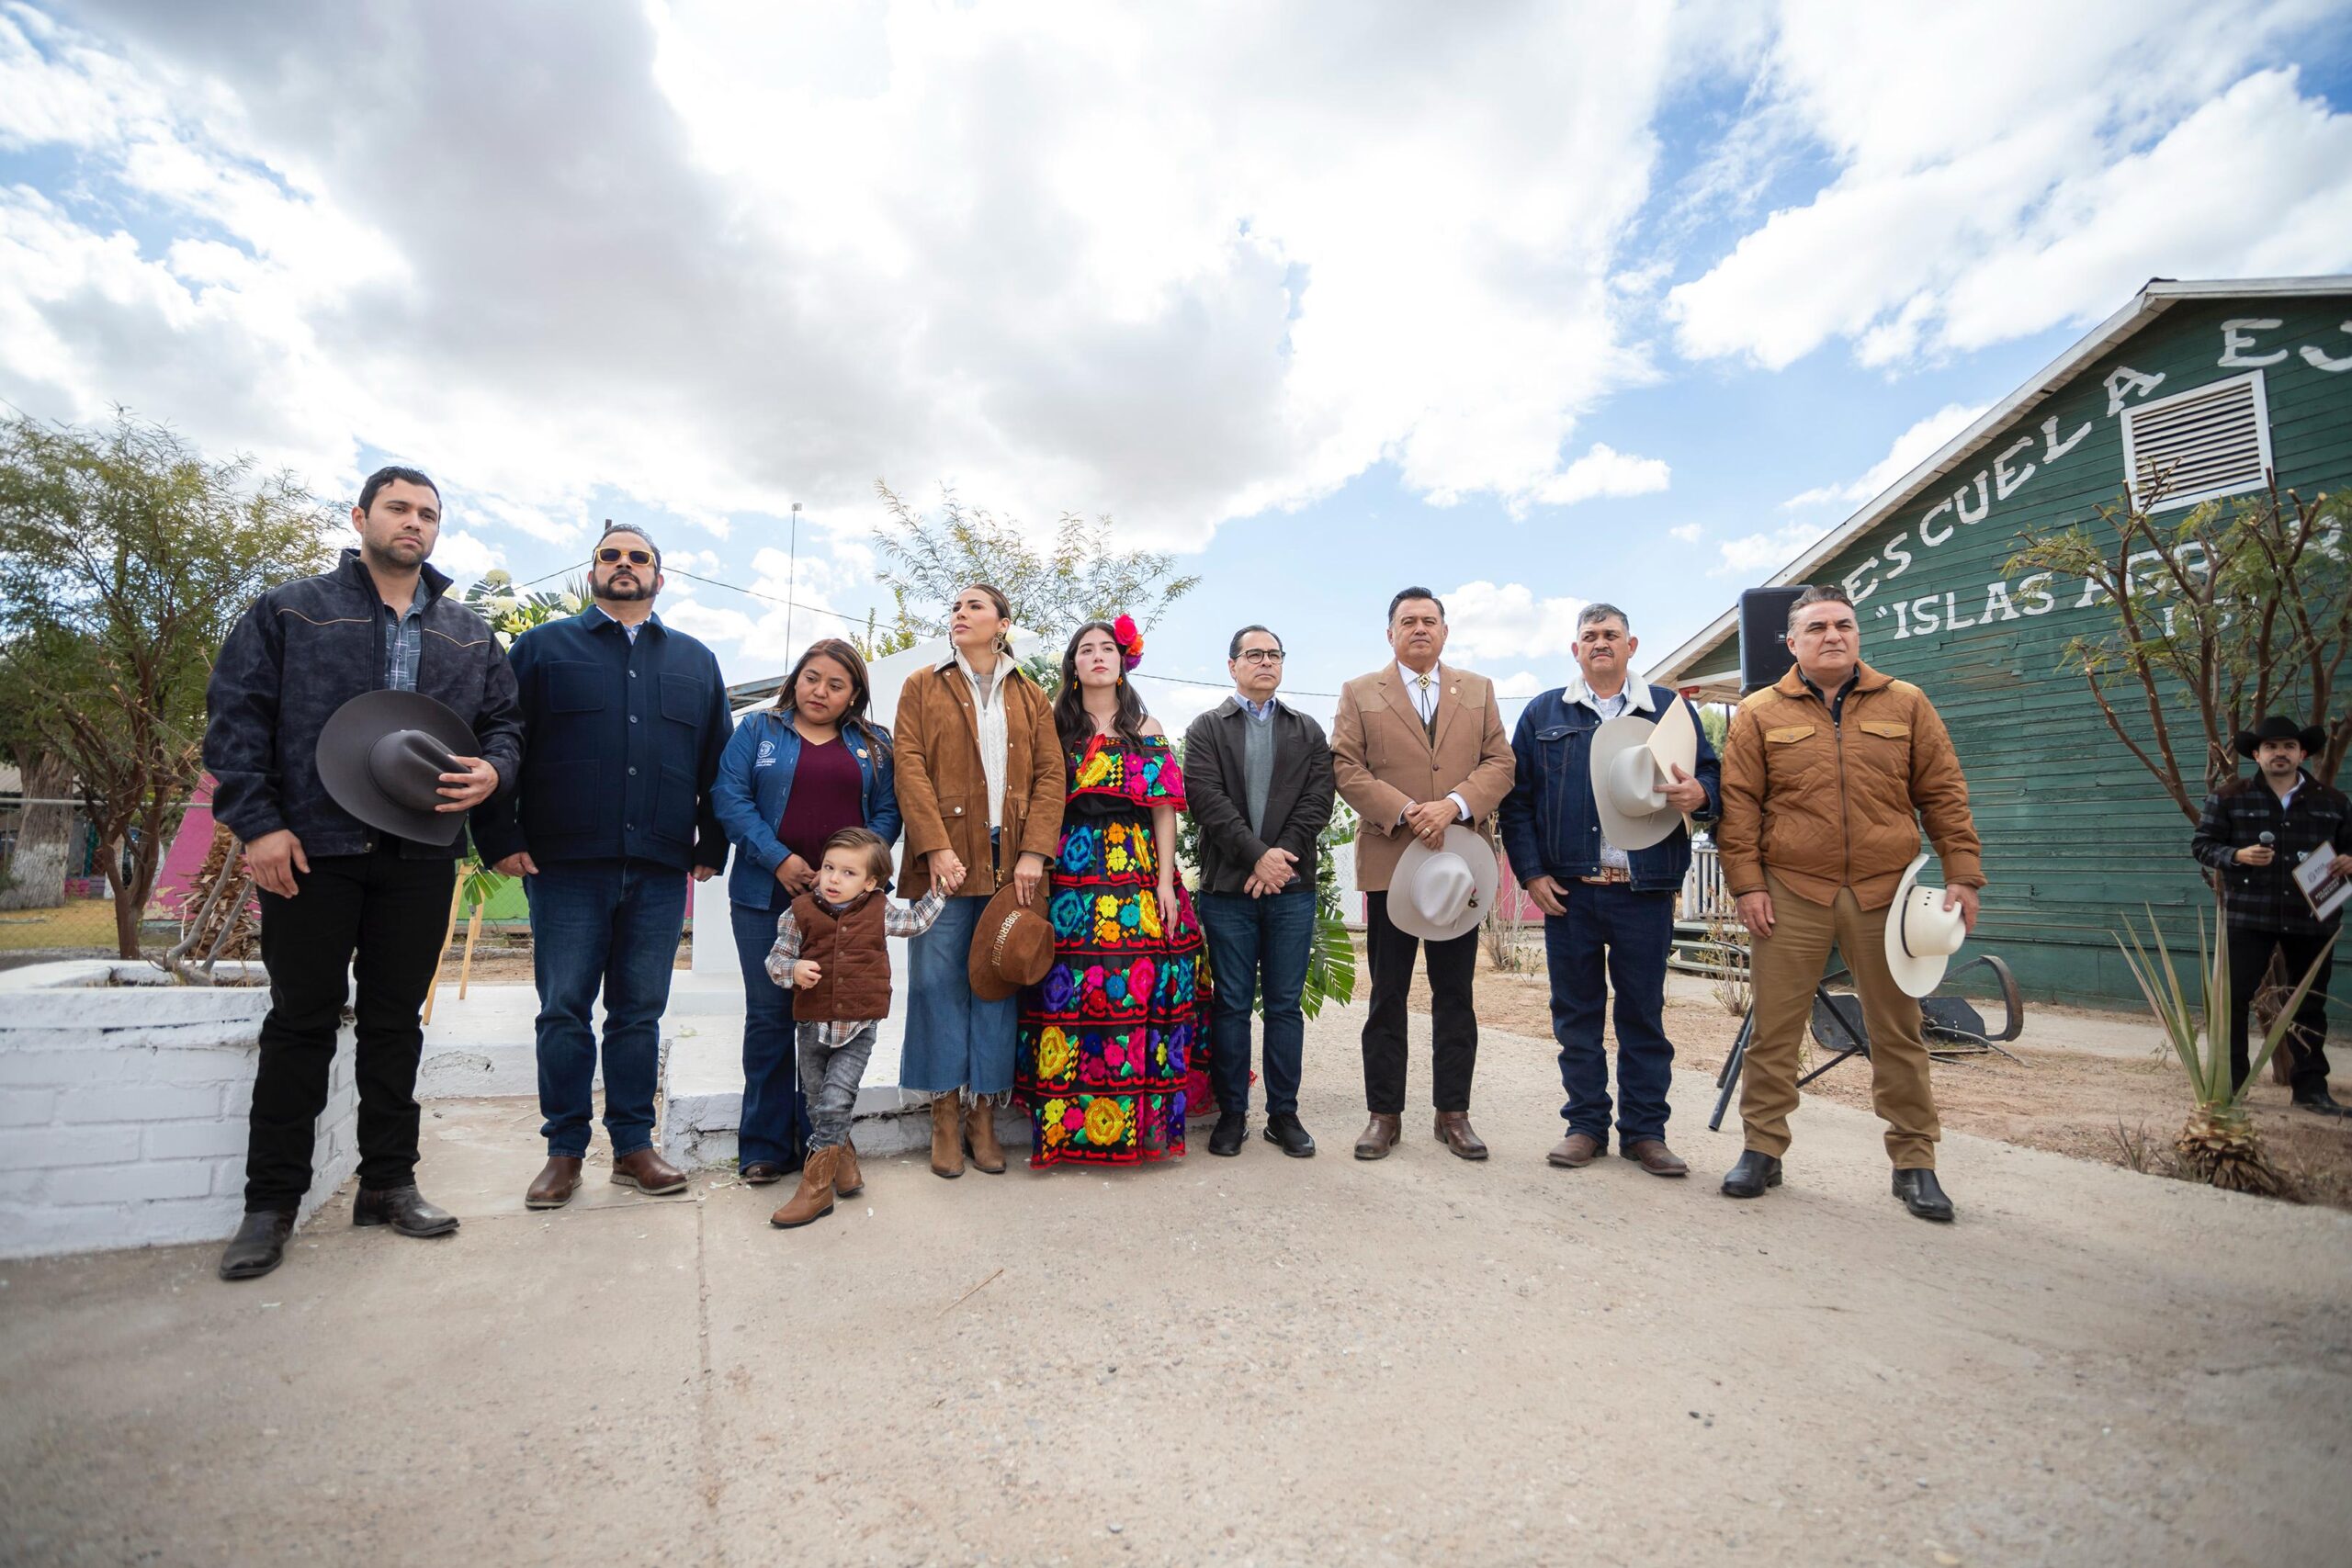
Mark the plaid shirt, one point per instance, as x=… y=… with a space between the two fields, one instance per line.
x=898 y=919
x=405 y=642
x=2265 y=897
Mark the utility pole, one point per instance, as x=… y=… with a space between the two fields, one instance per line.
x=792 y=587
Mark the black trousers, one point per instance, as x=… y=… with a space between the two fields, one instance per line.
x=2249 y=957
x=392 y=912
x=1452 y=969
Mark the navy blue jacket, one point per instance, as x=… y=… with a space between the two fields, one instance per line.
x=1549 y=826
x=622 y=743
x=754 y=781
x=304 y=649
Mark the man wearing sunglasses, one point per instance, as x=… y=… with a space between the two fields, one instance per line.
x=624 y=721
x=1257 y=775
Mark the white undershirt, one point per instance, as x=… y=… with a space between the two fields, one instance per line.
x=988 y=716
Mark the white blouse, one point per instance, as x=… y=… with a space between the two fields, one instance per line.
x=988 y=710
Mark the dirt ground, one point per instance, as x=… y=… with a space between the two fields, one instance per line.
x=2119 y=1110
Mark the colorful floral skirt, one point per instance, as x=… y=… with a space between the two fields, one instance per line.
x=1107 y=1038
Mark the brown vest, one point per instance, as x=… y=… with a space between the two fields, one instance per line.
x=853 y=955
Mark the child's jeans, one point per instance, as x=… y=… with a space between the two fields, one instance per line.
x=829 y=1079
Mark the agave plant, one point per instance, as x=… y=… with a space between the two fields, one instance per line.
x=2218 y=1144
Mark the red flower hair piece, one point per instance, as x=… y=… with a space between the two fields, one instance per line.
x=1130 y=641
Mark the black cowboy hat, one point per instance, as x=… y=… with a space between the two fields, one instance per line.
x=382 y=755
x=2278 y=726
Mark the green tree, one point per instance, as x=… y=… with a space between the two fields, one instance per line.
x=129 y=556
x=1052 y=591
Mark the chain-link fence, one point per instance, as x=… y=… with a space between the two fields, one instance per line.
x=57 y=904
x=55 y=899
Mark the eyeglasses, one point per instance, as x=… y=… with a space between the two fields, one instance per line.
x=612 y=555
x=1260 y=656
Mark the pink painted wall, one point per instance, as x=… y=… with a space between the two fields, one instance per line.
x=186 y=857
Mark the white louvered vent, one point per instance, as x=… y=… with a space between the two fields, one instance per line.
x=2194 y=446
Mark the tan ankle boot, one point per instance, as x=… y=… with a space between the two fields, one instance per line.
x=813 y=1200
x=848 y=1180
x=979 y=1137
x=946 y=1134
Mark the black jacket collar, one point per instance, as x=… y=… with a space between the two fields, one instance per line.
x=354 y=570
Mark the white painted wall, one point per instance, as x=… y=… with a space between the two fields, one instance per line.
x=123 y=1109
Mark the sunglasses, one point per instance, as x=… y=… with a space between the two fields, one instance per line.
x=1260 y=656
x=612 y=556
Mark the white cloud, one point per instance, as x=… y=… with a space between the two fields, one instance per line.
x=1759 y=555
x=1911 y=448
x=1508 y=622
x=1176 y=705
x=1602 y=471
x=1169 y=268
x=1688 y=533
x=2083 y=148
x=464 y=557
x=1521 y=683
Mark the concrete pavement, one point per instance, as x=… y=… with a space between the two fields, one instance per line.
x=1250 y=1361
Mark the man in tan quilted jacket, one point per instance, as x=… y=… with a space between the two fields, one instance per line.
x=1828 y=776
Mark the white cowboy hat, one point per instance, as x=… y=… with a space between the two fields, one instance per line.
x=1440 y=894
x=1633 y=760
x=1921 y=935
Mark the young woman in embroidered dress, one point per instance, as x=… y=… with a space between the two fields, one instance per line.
x=1106 y=1038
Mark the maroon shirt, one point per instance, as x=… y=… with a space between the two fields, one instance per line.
x=824 y=798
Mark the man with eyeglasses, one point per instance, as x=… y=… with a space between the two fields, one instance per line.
x=1258 y=774
x=624 y=719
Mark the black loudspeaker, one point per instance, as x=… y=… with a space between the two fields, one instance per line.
x=1764 y=655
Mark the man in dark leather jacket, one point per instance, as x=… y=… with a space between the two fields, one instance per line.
x=331 y=886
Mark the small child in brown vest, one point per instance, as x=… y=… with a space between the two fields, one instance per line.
x=832 y=948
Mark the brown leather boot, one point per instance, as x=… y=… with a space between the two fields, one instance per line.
x=1574 y=1152
x=1453 y=1132
x=848 y=1180
x=1652 y=1156
x=979 y=1137
x=555 y=1184
x=946 y=1134
x=1379 y=1136
x=813 y=1200
x=648 y=1172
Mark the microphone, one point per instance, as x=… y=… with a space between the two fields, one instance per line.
x=2266 y=837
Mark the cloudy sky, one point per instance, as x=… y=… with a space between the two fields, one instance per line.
x=1535 y=303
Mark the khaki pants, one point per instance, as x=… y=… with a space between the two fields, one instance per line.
x=1787 y=964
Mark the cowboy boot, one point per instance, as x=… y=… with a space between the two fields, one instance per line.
x=979 y=1137
x=813 y=1200
x=946 y=1134
x=848 y=1180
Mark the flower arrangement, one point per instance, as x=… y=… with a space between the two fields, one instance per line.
x=1129 y=637
x=509 y=612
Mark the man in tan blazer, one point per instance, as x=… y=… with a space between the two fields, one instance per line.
x=1418 y=746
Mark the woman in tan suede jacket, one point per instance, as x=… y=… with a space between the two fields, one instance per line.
x=980 y=784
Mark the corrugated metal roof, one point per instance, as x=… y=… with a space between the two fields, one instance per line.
x=2159 y=295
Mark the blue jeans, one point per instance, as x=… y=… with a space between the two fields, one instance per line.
x=1637 y=930
x=609 y=926
x=1257 y=947
x=774 y=1126
x=954 y=1039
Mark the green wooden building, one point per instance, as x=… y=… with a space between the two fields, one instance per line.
x=2217 y=385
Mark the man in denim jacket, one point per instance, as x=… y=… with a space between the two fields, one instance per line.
x=1608 y=913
